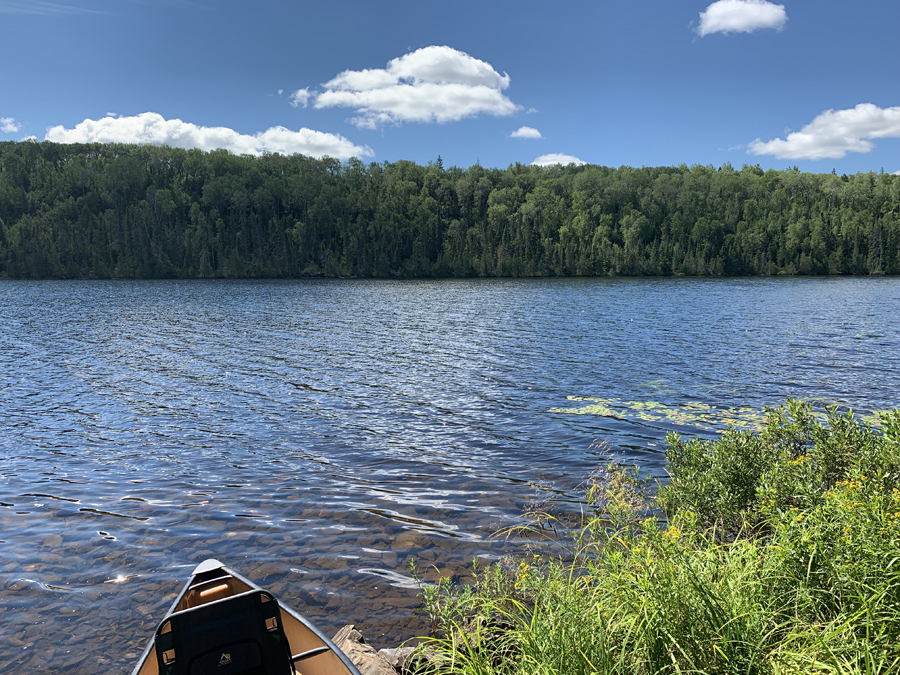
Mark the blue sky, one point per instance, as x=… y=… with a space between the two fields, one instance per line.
x=640 y=83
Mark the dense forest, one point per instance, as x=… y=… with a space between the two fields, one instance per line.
x=101 y=211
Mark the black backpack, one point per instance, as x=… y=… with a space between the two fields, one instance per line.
x=239 y=635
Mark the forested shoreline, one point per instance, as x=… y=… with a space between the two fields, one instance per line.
x=140 y=211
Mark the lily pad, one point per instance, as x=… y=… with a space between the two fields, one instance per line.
x=695 y=414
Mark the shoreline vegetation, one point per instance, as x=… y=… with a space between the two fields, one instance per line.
x=96 y=211
x=775 y=551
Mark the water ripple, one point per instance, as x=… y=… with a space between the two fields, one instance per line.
x=322 y=435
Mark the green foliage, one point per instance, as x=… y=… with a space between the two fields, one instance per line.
x=97 y=211
x=793 y=567
x=739 y=481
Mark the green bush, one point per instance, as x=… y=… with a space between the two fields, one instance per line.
x=779 y=553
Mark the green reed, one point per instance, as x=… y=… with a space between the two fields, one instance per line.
x=776 y=552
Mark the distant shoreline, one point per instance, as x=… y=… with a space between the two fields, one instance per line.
x=93 y=211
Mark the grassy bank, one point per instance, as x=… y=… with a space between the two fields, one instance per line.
x=776 y=552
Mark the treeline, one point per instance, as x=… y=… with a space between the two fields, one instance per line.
x=100 y=211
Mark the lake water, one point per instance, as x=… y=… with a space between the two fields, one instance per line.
x=319 y=435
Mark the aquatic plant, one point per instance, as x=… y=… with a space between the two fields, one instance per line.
x=696 y=414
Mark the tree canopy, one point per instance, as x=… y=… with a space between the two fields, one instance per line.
x=141 y=211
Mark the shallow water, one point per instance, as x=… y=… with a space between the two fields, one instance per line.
x=320 y=435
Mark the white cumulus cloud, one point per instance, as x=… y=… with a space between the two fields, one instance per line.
x=741 y=16
x=432 y=84
x=526 y=132
x=834 y=133
x=897 y=173
x=8 y=125
x=153 y=128
x=557 y=158
x=299 y=97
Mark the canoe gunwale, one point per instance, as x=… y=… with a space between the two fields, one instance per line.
x=210 y=566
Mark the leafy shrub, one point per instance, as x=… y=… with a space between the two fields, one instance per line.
x=779 y=553
x=737 y=482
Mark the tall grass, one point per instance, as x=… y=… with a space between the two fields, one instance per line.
x=776 y=552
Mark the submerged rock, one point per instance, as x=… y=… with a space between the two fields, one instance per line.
x=411 y=539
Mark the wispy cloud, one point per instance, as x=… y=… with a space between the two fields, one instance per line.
x=8 y=125
x=557 y=158
x=834 y=133
x=154 y=129
x=526 y=132
x=39 y=8
x=432 y=84
x=299 y=97
x=741 y=16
